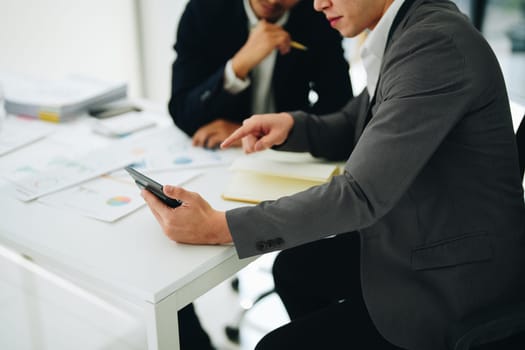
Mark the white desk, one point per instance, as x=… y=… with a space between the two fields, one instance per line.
x=130 y=259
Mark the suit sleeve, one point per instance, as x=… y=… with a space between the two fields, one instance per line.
x=420 y=106
x=197 y=93
x=313 y=133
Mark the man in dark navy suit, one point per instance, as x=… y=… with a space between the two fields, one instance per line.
x=236 y=58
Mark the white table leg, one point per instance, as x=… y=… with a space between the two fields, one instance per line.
x=162 y=324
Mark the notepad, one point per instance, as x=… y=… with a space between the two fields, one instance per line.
x=256 y=179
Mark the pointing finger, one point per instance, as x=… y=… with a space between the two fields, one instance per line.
x=236 y=136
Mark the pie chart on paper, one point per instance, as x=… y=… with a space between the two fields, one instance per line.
x=118 y=201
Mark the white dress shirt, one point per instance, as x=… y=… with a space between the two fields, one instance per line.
x=374 y=47
x=263 y=100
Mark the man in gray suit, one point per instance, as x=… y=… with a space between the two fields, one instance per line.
x=431 y=185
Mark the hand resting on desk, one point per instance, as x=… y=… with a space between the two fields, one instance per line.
x=212 y=134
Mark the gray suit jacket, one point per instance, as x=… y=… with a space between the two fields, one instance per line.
x=431 y=183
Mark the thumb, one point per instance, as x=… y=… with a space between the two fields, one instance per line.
x=262 y=144
x=176 y=192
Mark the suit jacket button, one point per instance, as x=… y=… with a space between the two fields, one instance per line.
x=262 y=246
x=278 y=242
x=205 y=95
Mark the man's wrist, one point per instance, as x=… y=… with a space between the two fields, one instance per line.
x=220 y=227
x=240 y=69
x=232 y=83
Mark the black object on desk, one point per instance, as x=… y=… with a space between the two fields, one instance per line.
x=111 y=110
x=144 y=182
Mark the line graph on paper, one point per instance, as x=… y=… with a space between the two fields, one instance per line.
x=57 y=164
x=50 y=167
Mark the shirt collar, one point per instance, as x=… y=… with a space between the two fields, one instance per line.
x=253 y=20
x=374 y=47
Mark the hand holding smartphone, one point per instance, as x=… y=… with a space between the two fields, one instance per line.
x=144 y=182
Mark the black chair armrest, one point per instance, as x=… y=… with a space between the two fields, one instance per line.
x=487 y=326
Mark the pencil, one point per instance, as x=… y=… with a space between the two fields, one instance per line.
x=298 y=46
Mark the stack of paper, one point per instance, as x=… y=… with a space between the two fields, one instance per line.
x=57 y=100
x=256 y=179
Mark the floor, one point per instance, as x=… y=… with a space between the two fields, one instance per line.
x=40 y=311
x=215 y=307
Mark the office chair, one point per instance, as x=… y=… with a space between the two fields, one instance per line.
x=233 y=331
x=494 y=328
x=264 y=268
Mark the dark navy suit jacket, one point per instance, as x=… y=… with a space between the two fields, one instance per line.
x=211 y=31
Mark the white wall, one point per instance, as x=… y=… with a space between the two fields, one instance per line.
x=159 y=20
x=57 y=37
x=127 y=40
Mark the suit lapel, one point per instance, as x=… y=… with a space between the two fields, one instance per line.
x=237 y=32
x=365 y=117
x=284 y=63
x=239 y=28
x=283 y=66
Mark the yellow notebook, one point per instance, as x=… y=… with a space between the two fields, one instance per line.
x=256 y=179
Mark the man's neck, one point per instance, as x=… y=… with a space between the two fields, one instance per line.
x=253 y=18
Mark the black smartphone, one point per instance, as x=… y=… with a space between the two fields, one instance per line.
x=144 y=182
x=108 y=111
